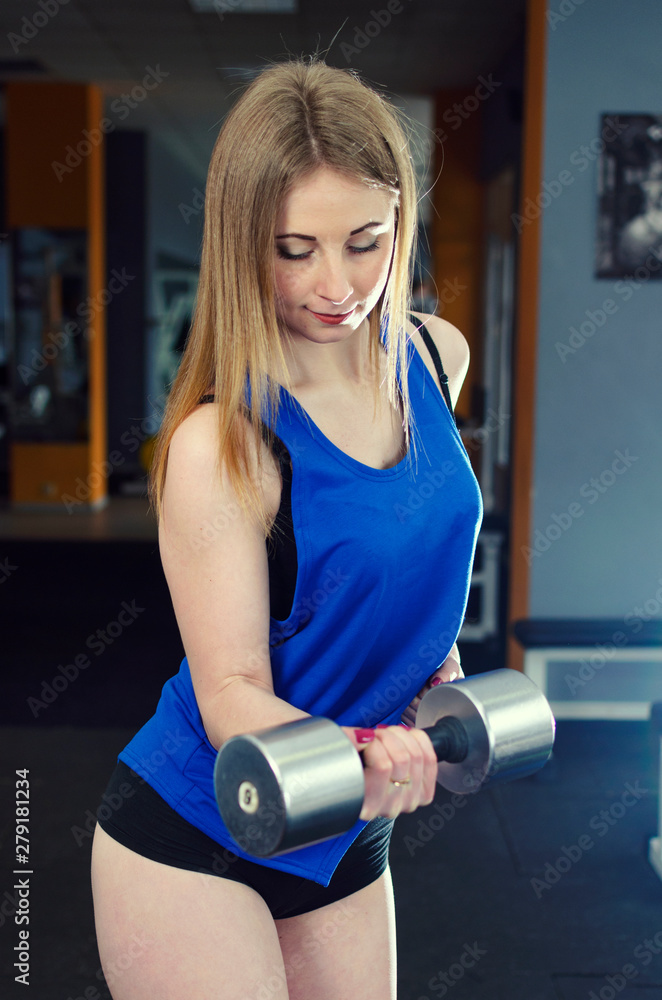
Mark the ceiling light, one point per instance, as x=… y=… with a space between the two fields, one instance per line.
x=223 y=7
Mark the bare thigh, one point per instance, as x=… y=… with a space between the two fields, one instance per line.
x=345 y=950
x=179 y=935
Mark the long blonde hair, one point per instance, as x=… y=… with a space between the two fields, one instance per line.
x=295 y=117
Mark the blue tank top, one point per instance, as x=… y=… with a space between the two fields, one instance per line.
x=384 y=561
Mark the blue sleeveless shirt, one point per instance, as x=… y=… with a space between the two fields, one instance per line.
x=384 y=561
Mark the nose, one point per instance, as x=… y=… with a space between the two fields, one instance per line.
x=333 y=283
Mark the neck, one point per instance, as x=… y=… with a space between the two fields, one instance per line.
x=337 y=363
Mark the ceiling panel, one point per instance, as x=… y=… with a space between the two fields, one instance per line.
x=427 y=46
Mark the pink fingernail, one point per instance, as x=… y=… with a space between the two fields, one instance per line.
x=364 y=735
x=437 y=680
x=382 y=725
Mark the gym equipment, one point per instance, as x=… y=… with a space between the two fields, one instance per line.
x=297 y=784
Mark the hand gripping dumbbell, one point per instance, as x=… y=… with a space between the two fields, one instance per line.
x=300 y=783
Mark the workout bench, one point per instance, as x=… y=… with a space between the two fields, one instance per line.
x=594 y=668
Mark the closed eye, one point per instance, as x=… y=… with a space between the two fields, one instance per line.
x=303 y=256
x=373 y=246
x=292 y=256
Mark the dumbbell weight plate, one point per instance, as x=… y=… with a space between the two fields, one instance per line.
x=306 y=784
x=508 y=721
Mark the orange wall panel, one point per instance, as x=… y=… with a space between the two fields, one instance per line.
x=528 y=280
x=42 y=473
x=457 y=233
x=55 y=179
x=96 y=285
x=43 y=119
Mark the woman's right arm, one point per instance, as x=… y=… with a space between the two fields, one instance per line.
x=215 y=562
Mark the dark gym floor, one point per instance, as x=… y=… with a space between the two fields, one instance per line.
x=536 y=890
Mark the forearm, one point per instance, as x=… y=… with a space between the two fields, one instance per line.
x=242 y=706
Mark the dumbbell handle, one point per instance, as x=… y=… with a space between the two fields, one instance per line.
x=449 y=739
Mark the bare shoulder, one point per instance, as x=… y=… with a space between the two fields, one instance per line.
x=193 y=462
x=452 y=346
x=450 y=342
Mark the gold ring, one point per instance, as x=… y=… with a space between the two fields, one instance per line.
x=398 y=784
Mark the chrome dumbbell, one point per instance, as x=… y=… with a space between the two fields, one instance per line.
x=297 y=784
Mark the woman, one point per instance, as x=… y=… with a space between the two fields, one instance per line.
x=307 y=411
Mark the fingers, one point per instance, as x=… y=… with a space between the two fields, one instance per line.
x=401 y=765
x=430 y=766
x=378 y=771
x=450 y=670
x=378 y=768
x=408 y=717
x=401 y=771
x=359 y=737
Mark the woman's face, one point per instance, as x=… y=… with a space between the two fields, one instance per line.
x=334 y=243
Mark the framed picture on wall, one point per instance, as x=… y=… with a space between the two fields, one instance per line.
x=629 y=239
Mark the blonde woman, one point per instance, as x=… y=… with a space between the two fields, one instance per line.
x=317 y=521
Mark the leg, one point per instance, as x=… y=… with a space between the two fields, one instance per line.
x=180 y=935
x=345 y=950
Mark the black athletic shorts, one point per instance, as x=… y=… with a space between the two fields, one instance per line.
x=145 y=823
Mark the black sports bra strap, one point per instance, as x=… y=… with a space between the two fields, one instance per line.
x=434 y=353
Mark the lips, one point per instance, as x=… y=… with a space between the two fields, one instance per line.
x=333 y=319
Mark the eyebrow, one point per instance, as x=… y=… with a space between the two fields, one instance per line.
x=354 y=232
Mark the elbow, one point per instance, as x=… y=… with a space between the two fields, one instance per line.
x=229 y=710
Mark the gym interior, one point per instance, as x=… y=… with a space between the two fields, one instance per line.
x=537 y=128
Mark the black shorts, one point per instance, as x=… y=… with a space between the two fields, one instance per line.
x=145 y=823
